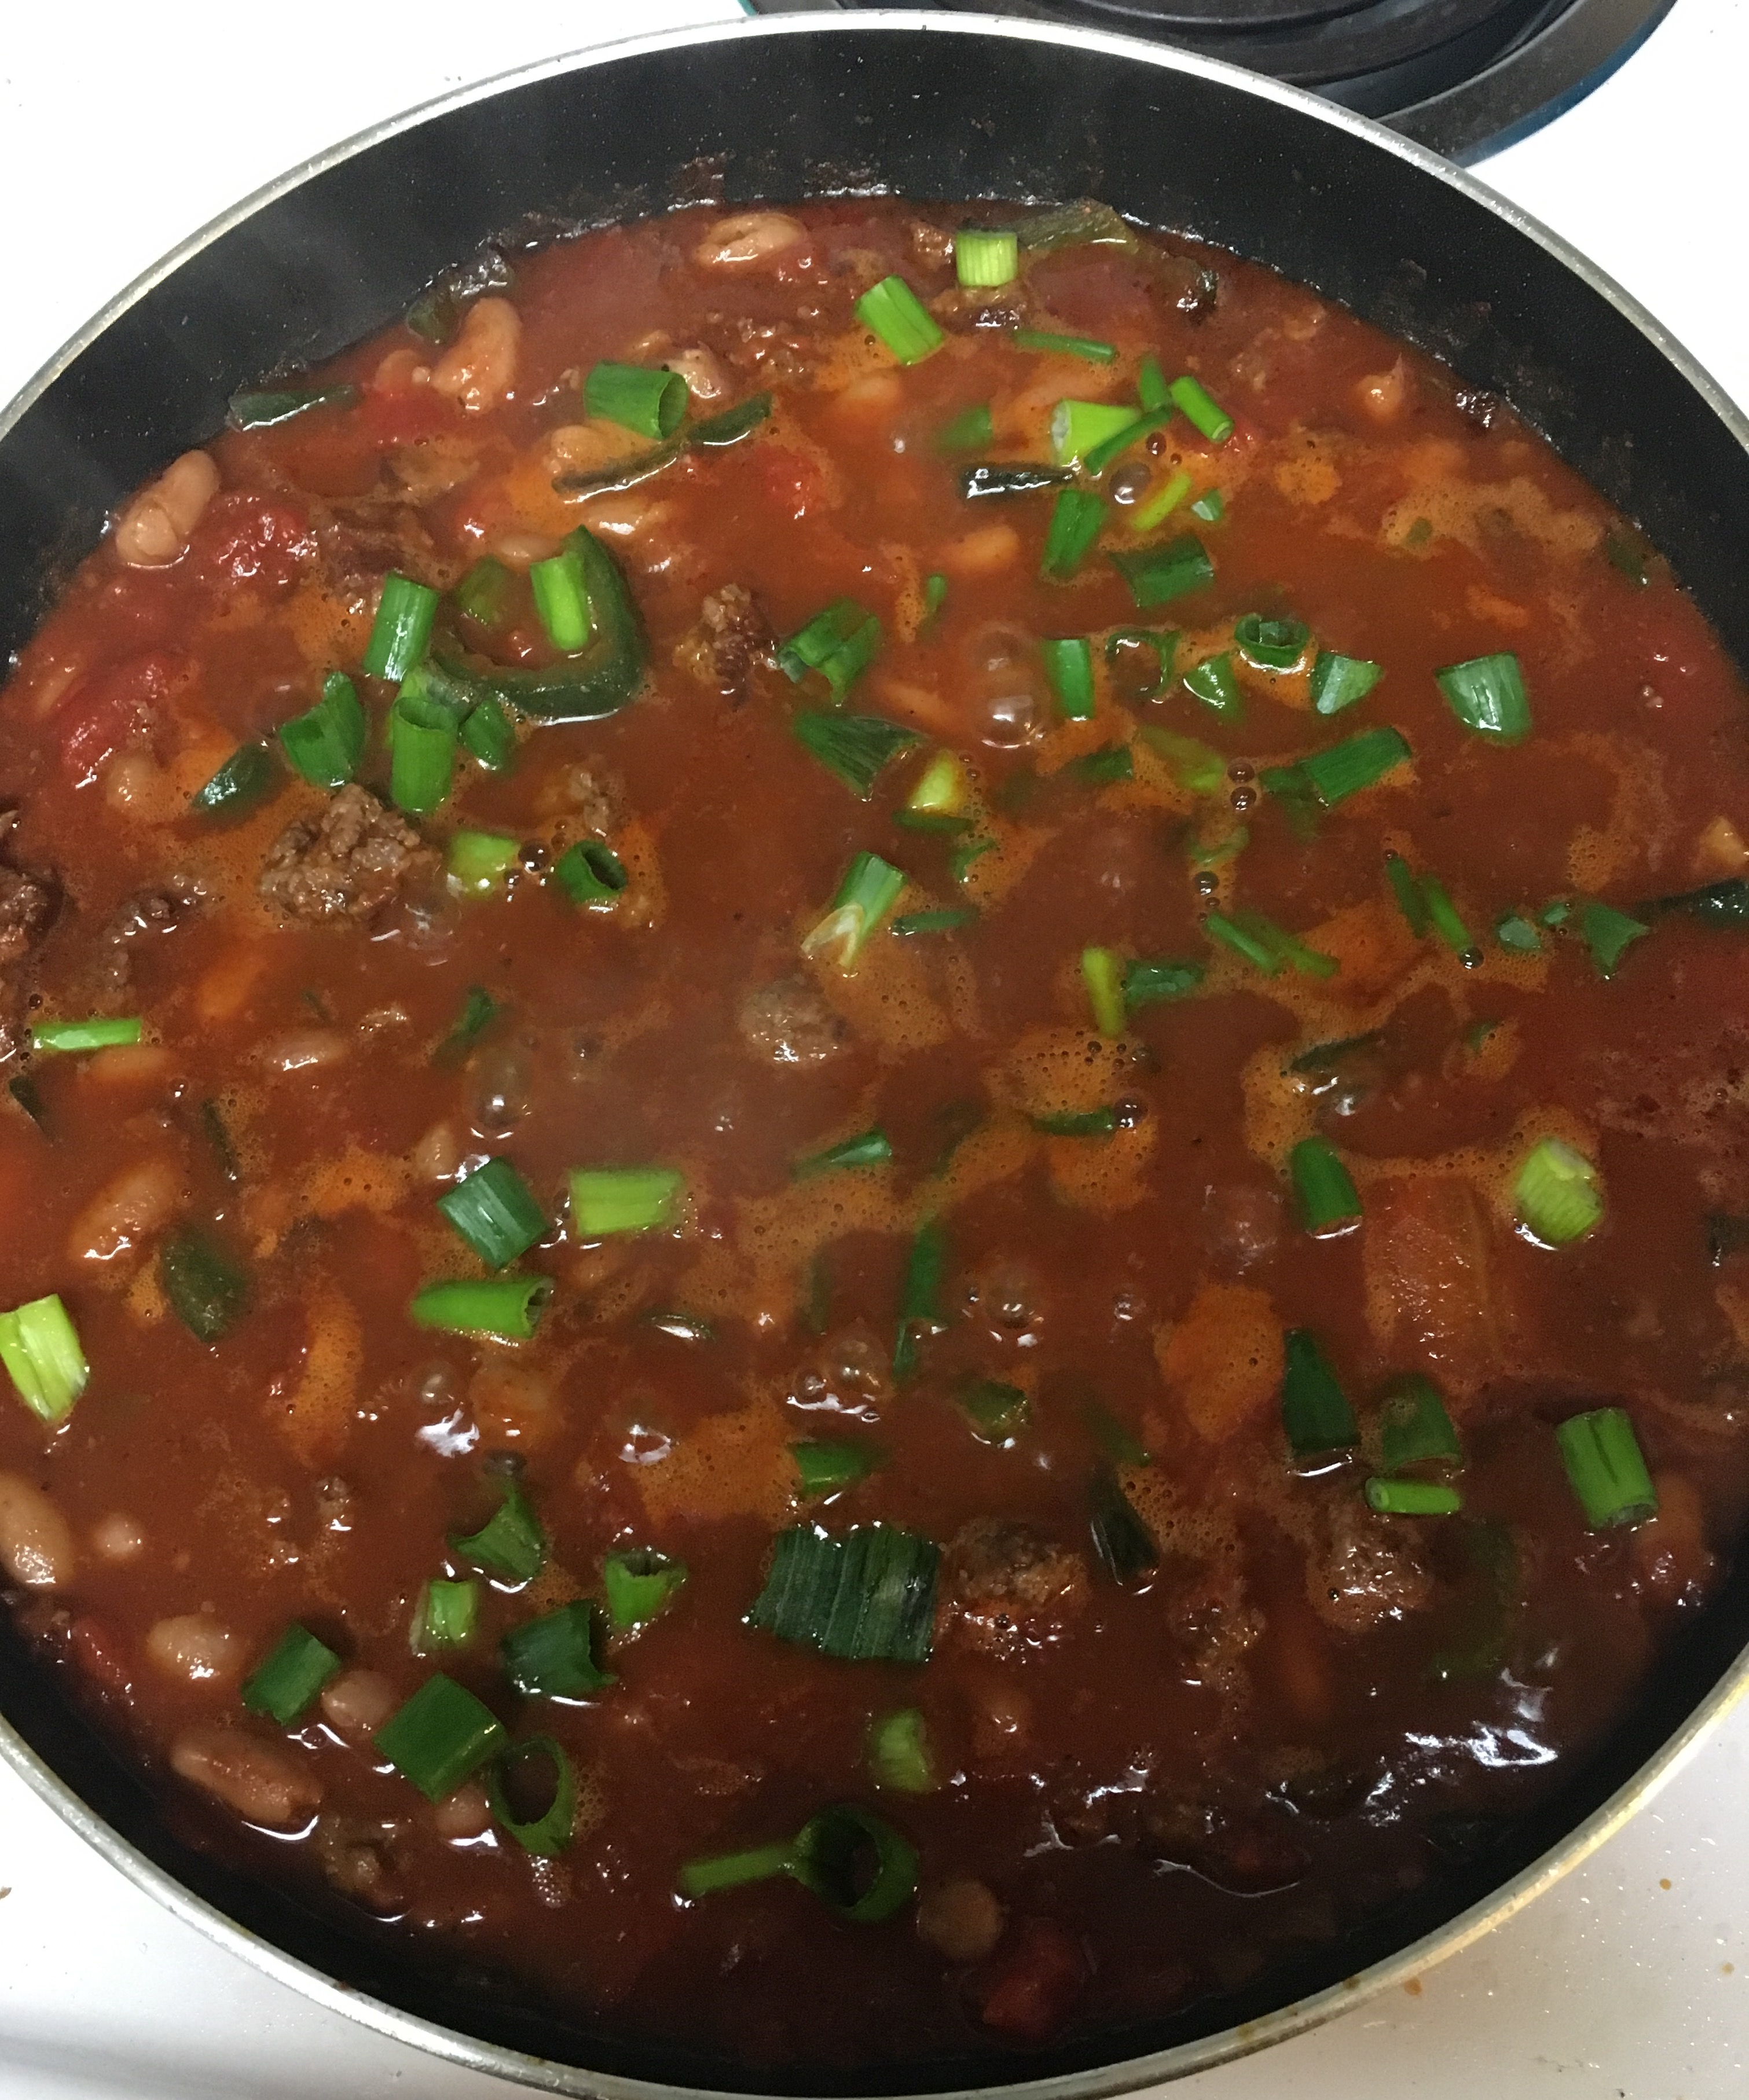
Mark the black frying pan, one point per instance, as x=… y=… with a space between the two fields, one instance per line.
x=938 y=108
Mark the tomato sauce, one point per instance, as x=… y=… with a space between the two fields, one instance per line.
x=1191 y=1705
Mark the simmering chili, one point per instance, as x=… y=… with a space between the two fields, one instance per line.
x=875 y=1168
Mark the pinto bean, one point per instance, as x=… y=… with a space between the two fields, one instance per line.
x=36 y=1541
x=153 y=530
x=1382 y=394
x=129 y=1205
x=117 y=1538
x=478 y=369
x=748 y=239
x=303 y=1049
x=264 y=1783
x=464 y=1814
x=356 y=1703
x=700 y=369
x=438 y=1155
x=194 y=1645
x=960 y=1920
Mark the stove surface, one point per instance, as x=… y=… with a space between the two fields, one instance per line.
x=1630 y=1980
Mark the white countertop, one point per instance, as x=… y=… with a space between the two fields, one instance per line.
x=1631 y=1980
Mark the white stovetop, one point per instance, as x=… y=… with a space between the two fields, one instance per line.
x=121 y=131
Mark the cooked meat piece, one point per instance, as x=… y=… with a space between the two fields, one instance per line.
x=1214 y=1616
x=732 y=635
x=1478 y=407
x=346 y=867
x=27 y=904
x=160 y=910
x=791 y=1024
x=1005 y=1587
x=354 y=1856
x=361 y=538
x=1249 y=1855
x=931 y=245
x=1364 y=1570
x=1200 y=297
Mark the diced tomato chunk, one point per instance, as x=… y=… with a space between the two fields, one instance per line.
x=1035 y=1983
x=790 y=481
x=245 y=538
x=113 y=706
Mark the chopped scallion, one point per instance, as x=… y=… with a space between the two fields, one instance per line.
x=1077 y=1122
x=899 y=1757
x=510 y=1305
x=867 y=1595
x=1161 y=505
x=483 y=592
x=1161 y=641
x=442 y=1736
x=1102 y=973
x=1051 y=343
x=1608 y=933
x=1487 y=695
x=98 y=1034
x=40 y=1347
x=948 y=919
x=326 y=744
x=591 y=873
x=1315 y=1412
x=920 y=1313
x=840 y=643
x=446 y=1615
x=1446 y=922
x=549 y=1832
x=494 y=1212
x=1121 y=441
x=941 y=789
x=1068 y=665
x=970 y=431
x=1212 y=682
x=1604 y=1463
x=1273 y=645
x=1413 y=1498
x=554 y=1657
x=1151 y=388
x=639 y=1586
x=870 y=889
x=1329 y=1203
x=1145 y=982
x=247 y=777
x=855 y=748
x=1209 y=507
x=510 y=1543
x=478 y=861
x=983 y=259
x=1076 y=519
x=606 y=1200
x=825 y=1465
x=651 y=403
x=1415 y=1428
x=561 y=597
x=1515 y=932
x=1199 y=407
x=997 y=1412
x=1127 y=1548
x=1359 y=762
x=422 y=736
x=206 y=1290
x=1339 y=682
x=1557 y=1193
x=728 y=426
x=285 y=1684
x=870 y=1148
x=1158 y=575
x=1078 y=428
x=895 y=314
x=401 y=632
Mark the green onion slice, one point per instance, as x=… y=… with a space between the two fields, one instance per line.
x=855 y=748
x=639 y=1586
x=825 y=1465
x=1161 y=504
x=1406 y=887
x=1069 y=666
x=206 y=1290
x=446 y=1615
x=478 y=861
x=920 y=1306
x=1415 y=1428
x=1361 y=761
x=857 y=1867
x=1077 y=1122
x=483 y=595
x=868 y=1148
x=1156 y=576
x=1078 y=428
x=1196 y=768
x=554 y=1657
x=1146 y=982
x=510 y=1543
x=840 y=643
x=1487 y=695
x=1151 y=388
x=1120 y=442
x=97 y=1034
x=1329 y=1203
x=1606 y=1469
x=325 y=744
x=247 y=778
x=870 y=889
x=982 y=259
x=507 y=1306
x=997 y=1412
x=1315 y=1412
x=1199 y=407
x=1273 y=645
x=899 y=1757
x=895 y=314
x=260 y=409
x=1163 y=641
x=494 y=1212
x=284 y=1685
x=423 y=735
x=942 y=788
x=1446 y=922
x=1051 y=342
x=606 y=1200
x=401 y=632
x=636 y=399
x=591 y=873
x=1076 y=519
x=1099 y=769
x=970 y=431
x=40 y=1347
x=1127 y=1548
x=1557 y=1194
x=479 y=1009
x=867 y=1595
x=1515 y=932
x=1608 y=933
x=561 y=597
x=1339 y=682
x=948 y=919
x=1209 y=507
x=1413 y=1498
x=1102 y=972
x=547 y=1834
x=442 y=1736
